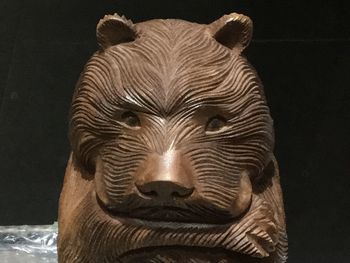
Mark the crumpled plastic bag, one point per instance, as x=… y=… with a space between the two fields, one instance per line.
x=28 y=244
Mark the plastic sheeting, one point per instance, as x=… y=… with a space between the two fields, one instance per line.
x=28 y=244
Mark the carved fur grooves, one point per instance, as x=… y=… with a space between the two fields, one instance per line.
x=172 y=144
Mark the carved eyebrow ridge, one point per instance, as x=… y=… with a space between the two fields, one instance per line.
x=132 y=106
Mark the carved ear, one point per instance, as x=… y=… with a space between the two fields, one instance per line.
x=113 y=30
x=233 y=31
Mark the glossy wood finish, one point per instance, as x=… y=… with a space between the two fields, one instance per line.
x=172 y=149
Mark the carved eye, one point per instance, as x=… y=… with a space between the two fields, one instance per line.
x=131 y=119
x=215 y=123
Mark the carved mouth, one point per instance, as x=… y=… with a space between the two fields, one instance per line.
x=164 y=216
x=254 y=234
x=170 y=216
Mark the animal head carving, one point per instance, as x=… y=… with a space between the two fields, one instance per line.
x=172 y=145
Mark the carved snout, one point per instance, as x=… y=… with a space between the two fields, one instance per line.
x=165 y=177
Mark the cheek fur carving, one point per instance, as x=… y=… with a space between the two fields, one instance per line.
x=172 y=149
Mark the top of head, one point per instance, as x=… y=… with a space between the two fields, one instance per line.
x=168 y=59
x=166 y=68
x=233 y=31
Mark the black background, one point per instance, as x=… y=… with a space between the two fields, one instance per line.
x=301 y=50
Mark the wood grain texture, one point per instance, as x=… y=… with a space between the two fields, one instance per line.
x=172 y=144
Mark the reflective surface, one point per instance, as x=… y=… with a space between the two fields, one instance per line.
x=29 y=244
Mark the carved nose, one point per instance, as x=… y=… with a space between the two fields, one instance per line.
x=164 y=190
x=165 y=177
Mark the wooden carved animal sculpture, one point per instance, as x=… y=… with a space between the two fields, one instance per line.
x=172 y=145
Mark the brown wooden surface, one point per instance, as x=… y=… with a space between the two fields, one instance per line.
x=172 y=144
